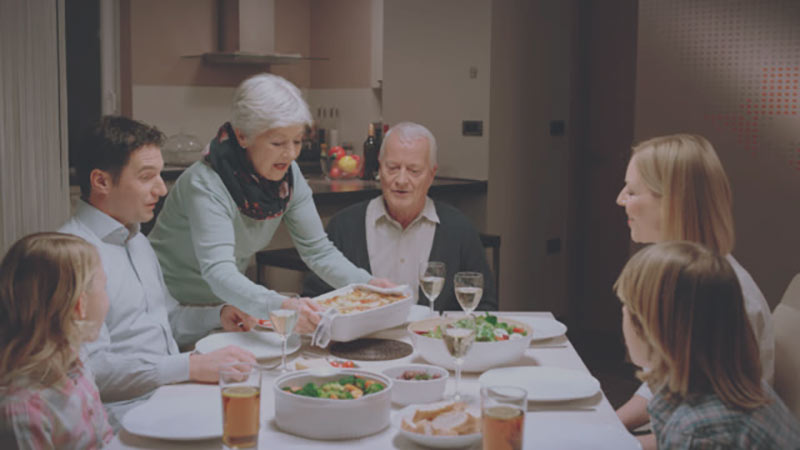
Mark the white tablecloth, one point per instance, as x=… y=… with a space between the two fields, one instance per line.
x=589 y=423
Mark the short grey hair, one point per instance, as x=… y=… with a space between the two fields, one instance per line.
x=409 y=132
x=266 y=101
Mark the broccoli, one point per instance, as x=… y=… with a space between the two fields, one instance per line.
x=374 y=387
x=310 y=390
x=350 y=379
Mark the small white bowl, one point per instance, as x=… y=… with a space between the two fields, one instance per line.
x=406 y=392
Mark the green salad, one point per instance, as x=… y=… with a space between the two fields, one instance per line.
x=487 y=329
x=349 y=387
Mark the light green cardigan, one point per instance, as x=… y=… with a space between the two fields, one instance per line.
x=204 y=243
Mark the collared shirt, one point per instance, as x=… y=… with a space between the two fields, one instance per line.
x=135 y=351
x=67 y=414
x=396 y=253
x=706 y=422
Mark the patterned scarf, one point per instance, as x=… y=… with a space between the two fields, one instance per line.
x=256 y=196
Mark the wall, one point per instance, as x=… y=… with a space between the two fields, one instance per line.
x=730 y=71
x=33 y=125
x=530 y=60
x=177 y=93
x=429 y=50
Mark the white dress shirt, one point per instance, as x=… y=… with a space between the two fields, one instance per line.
x=135 y=351
x=396 y=253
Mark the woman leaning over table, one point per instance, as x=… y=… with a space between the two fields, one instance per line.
x=228 y=206
x=676 y=189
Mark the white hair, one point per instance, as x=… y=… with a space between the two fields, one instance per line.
x=410 y=132
x=265 y=101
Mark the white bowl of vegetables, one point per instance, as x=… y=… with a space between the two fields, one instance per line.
x=498 y=341
x=417 y=383
x=332 y=404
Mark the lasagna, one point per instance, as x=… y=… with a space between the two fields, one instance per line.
x=360 y=299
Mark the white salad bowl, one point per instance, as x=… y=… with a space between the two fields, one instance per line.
x=406 y=392
x=324 y=418
x=482 y=355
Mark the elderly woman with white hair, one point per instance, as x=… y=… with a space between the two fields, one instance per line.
x=228 y=206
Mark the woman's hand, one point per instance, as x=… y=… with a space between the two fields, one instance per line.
x=381 y=283
x=308 y=313
x=234 y=319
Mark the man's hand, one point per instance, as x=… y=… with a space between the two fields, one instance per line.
x=205 y=367
x=234 y=319
x=308 y=313
x=381 y=283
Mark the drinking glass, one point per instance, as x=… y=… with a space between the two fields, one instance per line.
x=469 y=289
x=503 y=416
x=431 y=280
x=458 y=339
x=283 y=322
x=240 y=384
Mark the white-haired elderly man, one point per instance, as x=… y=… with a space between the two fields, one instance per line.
x=391 y=235
x=228 y=206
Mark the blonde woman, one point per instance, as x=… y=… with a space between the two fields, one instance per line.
x=676 y=189
x=52 y=298
x=684 y=320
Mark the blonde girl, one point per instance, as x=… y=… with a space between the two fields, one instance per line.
x=684 y=320
x=676 y=189
x=52 y=298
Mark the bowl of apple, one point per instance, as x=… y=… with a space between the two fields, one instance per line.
x=338 y=164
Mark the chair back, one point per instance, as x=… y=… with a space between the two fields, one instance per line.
x=786 y=318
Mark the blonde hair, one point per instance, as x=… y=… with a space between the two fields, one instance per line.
x=41 y=278
x=686 y=303
x=696 y=203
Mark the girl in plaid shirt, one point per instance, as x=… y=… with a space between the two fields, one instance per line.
x=684 y=319
x=52 y=298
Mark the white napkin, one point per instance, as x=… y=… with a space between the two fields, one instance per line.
x=322 y=335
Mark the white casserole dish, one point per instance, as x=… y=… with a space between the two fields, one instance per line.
x=348 y=327
x=324 y=418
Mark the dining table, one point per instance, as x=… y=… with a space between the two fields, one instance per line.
x=583 y=423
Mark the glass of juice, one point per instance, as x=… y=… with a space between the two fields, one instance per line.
x=240 y=384
x=503 y=417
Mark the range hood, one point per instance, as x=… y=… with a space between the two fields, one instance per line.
x=246 y=35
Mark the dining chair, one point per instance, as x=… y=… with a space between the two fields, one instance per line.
x=786 y=319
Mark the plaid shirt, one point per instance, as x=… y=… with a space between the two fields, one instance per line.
x=706 y=423
x=67 y=415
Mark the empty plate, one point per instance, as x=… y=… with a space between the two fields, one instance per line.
x=544 y=327
x=263 y=345
x=544 y=384
x=188 y=412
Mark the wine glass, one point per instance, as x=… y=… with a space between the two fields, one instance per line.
x=469 y=289
x=431 y=280
x=283 y=321
x=458 y=339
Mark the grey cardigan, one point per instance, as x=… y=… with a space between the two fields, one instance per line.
x=455 y=242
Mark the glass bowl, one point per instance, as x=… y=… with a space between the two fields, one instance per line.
x=341 y=166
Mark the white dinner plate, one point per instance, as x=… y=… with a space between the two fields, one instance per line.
x=544 y=384
x=262 y=344
x=543 y=327
x=434 y=441
x=195 y=415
